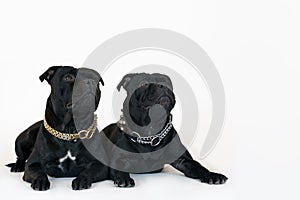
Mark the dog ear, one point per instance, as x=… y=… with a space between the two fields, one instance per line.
x=49 y=73
x=101 y=81
x=125 y=80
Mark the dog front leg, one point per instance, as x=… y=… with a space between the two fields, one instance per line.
x=37 y=177
x=121 y=179
x=95 y=172
x=195 y=170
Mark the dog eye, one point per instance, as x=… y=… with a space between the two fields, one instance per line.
x=69 y=78
x=144 y=83
x=160 y=85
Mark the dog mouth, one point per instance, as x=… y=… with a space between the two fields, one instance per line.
x=164 y=101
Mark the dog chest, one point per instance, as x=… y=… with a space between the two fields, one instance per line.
x=66 y=162
x=68 y=155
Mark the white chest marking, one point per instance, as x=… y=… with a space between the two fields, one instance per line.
x=68 y=155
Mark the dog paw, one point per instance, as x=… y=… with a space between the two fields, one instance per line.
x=81 y=183
x=19 y=166
x=40 y=184
x=124 y=182
x=213 y=178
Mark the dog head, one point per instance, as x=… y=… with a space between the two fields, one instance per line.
x=73 y=91
x=150 y=97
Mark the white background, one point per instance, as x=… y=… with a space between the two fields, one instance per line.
x=254 y=44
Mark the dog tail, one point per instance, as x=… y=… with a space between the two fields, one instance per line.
x=10 y=165
x=19 y=166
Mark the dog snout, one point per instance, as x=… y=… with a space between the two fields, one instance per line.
x=91 y=85
x=84 y=87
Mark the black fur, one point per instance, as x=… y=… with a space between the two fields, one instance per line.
x=144 y=91
x=38 y=152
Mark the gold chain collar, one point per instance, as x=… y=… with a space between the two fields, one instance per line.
x=83 y=134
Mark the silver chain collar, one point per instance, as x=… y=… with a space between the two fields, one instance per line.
x=152 y=140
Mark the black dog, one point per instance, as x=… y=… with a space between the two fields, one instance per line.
x=54 y=146
x=144 y=139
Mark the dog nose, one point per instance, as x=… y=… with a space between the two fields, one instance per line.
x=90 y=82
x=69 y=105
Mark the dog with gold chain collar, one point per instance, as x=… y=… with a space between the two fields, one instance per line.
x=54 y=146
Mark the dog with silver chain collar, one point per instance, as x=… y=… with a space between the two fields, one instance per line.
x=144 y=139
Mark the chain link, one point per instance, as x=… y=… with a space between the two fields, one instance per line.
x=152 y=140
x=84 y=134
